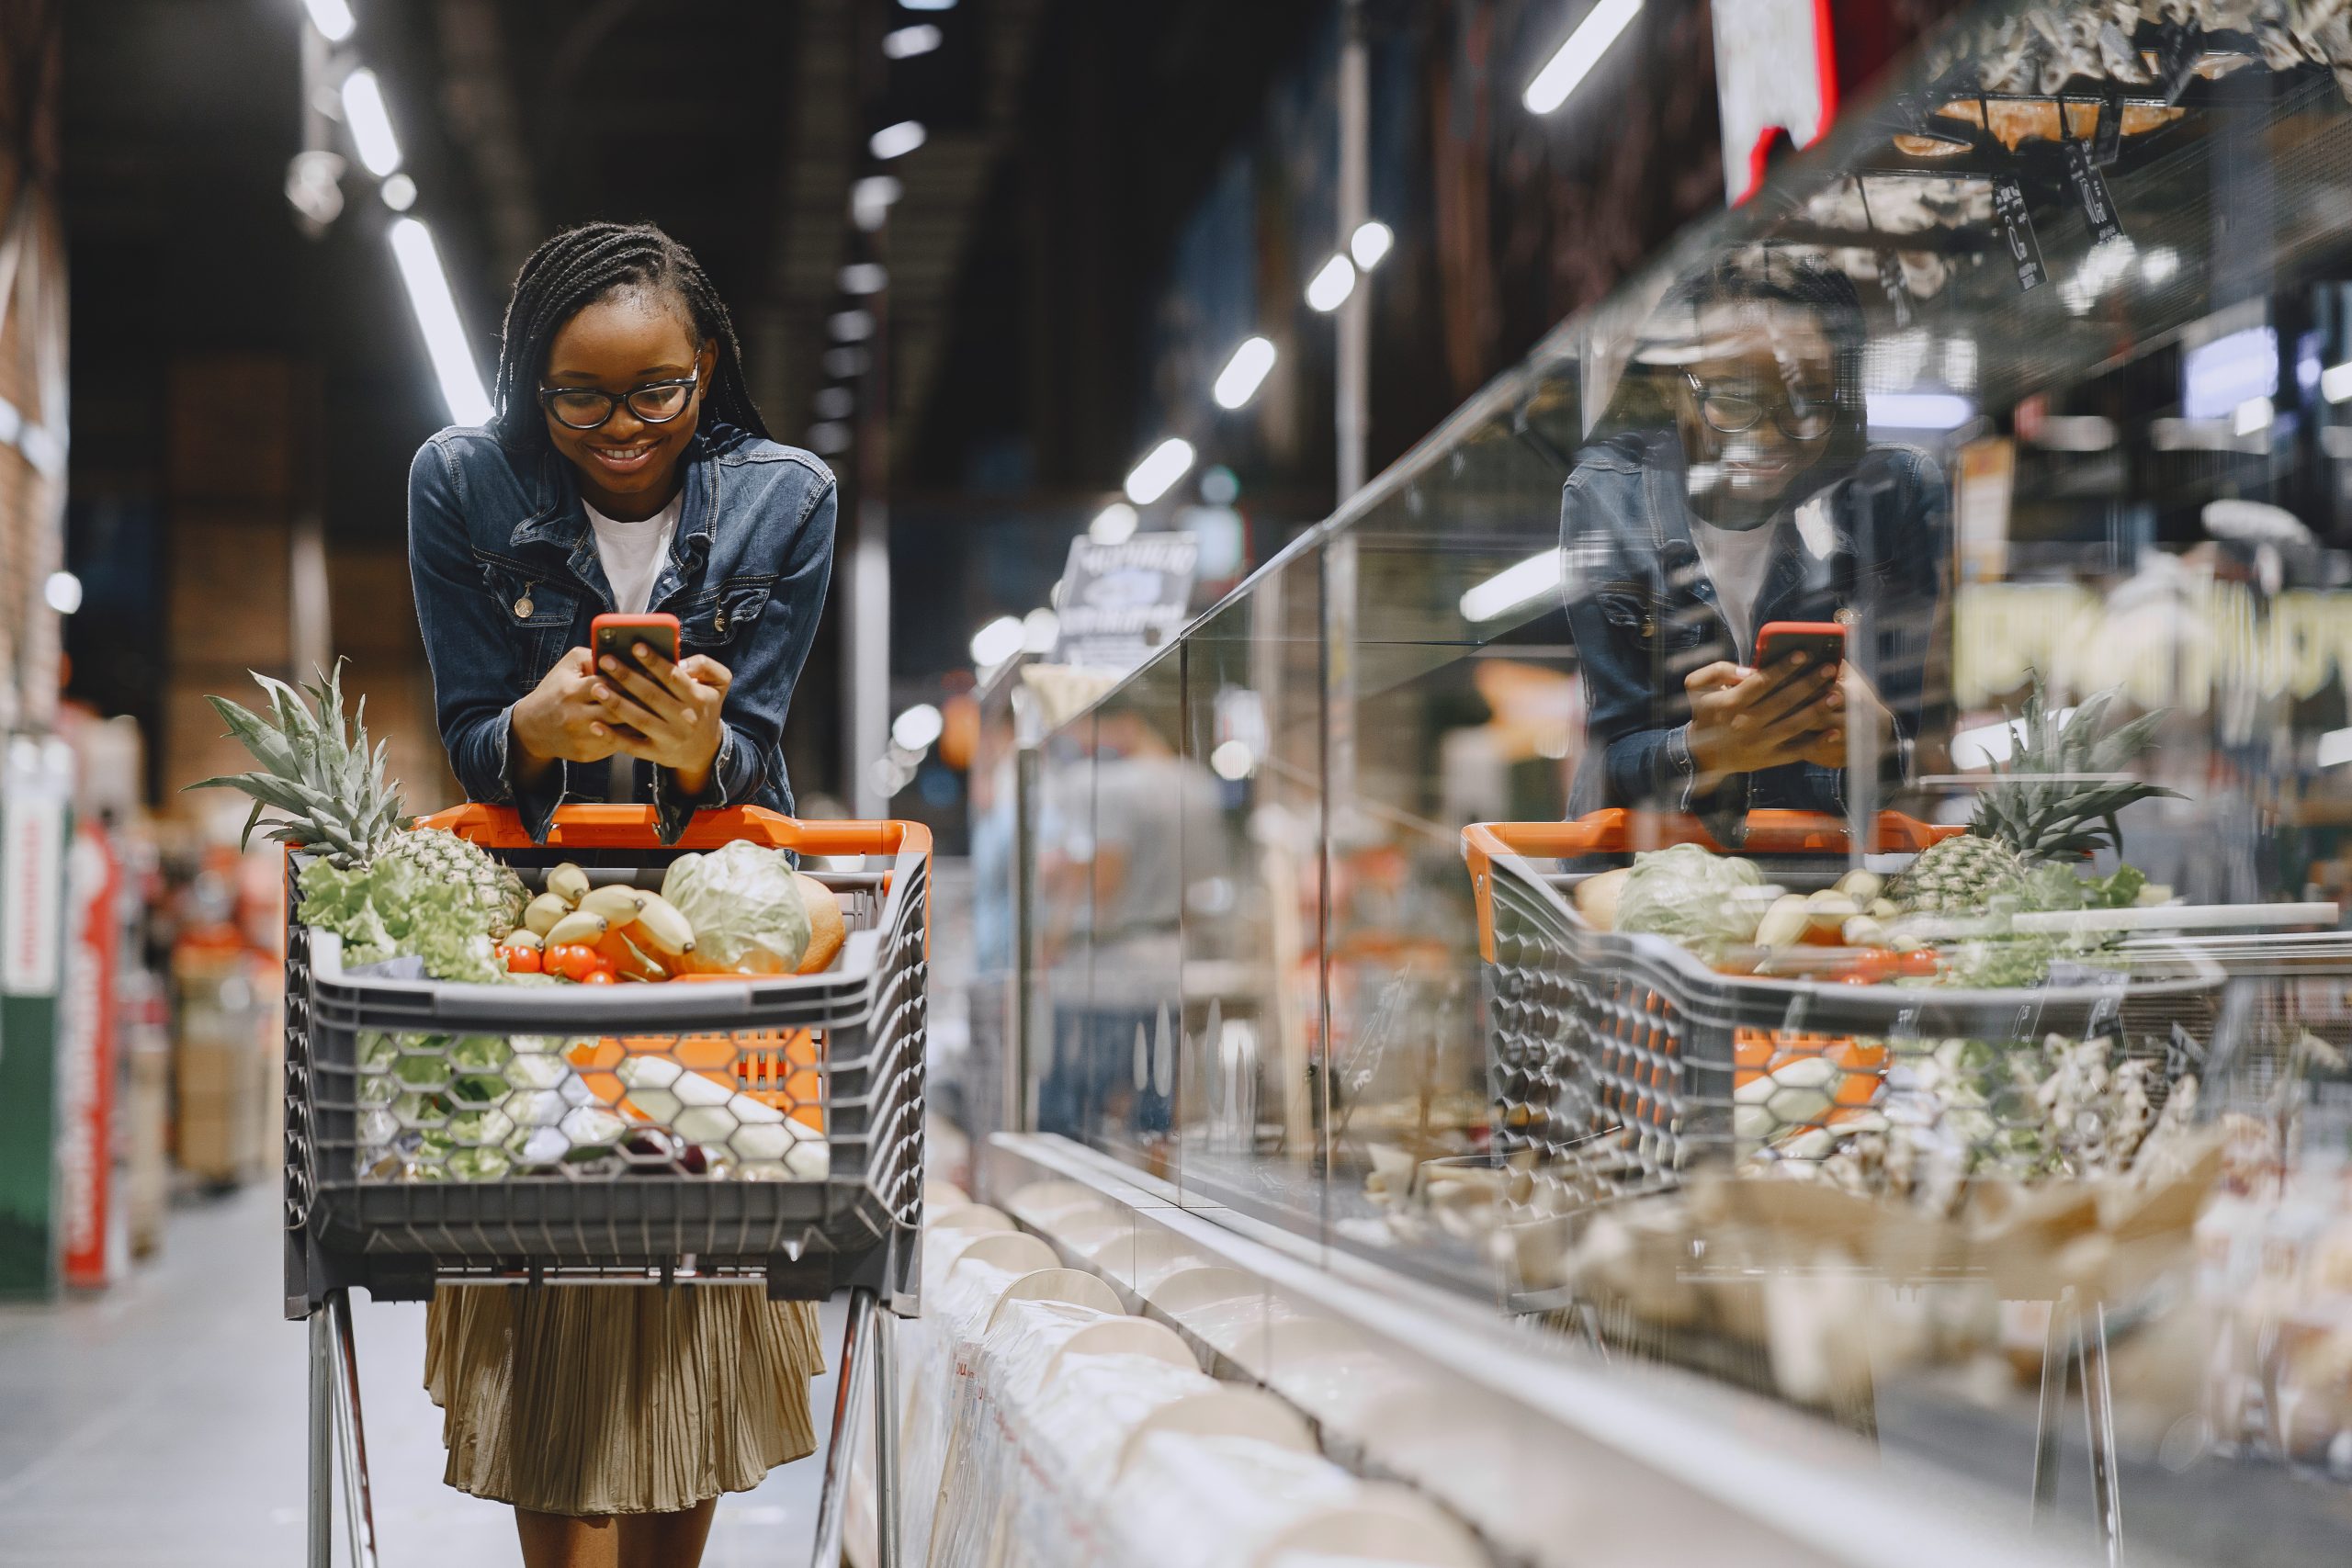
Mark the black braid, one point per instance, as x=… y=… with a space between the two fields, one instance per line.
x=581 y=265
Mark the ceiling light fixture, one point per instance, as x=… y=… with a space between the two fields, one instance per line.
x=436 y=317
x=1244 y=373
x=1160 y=470
x=1566 y=70
x=371 y=126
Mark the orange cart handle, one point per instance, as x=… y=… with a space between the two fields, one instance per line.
x=1618 y=830
x=632 y=828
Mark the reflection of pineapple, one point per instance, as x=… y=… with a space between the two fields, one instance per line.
x=337 y=804
x=2057 y=796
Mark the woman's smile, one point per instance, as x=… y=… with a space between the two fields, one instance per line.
x=626 y=459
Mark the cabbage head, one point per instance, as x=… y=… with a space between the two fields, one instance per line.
x=745 y=905
x=1689 y=895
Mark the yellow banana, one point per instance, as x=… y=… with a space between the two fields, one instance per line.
x=521 y=937
x=568 y=883
x=664 y=930
x=580 y=925
x=544 y=911
x=617 y=903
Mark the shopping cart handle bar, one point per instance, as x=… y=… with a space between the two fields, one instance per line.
x=632 y=827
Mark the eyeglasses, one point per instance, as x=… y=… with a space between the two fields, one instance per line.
x=1801 y=416
x=584 y=407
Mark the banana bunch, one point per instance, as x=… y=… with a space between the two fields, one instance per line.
x=642 y=933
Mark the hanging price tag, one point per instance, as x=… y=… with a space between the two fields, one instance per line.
x=2090 y=190
x=1890 y=279
x=2107 y=141
x=2016 y=228
x=2178 y=45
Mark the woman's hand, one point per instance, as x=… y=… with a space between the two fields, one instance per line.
x=1743 y=720
x=667 y=713
x=1856 y=706
x=562 y=719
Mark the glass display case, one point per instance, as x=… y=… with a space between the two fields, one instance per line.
x=1802 y=833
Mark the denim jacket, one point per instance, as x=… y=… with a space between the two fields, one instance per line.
x=1868 y=550
x=507 y=579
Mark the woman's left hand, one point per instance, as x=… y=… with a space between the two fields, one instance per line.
x=667 y=713
x=1853 y=704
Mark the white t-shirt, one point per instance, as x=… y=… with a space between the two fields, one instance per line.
x=1735 y=562
x=633 y=552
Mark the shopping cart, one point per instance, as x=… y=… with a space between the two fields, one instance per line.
x=1623 y=1066
x=378 y=1151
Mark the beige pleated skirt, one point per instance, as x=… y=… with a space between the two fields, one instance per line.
x=590 y=1400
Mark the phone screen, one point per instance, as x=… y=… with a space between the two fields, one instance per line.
x=617 y=640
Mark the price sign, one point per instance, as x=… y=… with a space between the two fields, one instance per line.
x=2010 y=211
x=1119 y=604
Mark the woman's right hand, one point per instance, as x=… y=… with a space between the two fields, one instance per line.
x=562 y=718
x=1744 y=720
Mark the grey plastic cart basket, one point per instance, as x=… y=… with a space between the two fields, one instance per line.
x=1634 y=1039
x=857 y=1228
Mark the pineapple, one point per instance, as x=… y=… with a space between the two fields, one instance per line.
x=2056 y=798
x=337 y=804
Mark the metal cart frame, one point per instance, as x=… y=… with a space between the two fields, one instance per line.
x=1639 y=1029
x=858 y=1229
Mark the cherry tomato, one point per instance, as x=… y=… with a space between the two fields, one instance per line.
x=520 y=960
x=598 y=978
x=1919 y=963
x=573 y=961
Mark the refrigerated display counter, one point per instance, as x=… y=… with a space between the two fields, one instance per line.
x=1962 y=1077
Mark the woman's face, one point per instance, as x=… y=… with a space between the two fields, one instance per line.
x=1759 y=404
x=615 y=345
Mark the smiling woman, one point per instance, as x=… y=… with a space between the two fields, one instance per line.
x=626 y=470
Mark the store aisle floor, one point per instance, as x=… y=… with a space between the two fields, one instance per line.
x=162 y=1423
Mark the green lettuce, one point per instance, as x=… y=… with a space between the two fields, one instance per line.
x=389 y=908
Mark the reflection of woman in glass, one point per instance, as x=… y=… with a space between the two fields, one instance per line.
x=1732 y=487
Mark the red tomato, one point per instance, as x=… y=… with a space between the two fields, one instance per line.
x=598 y=978
x=573 y=961
x=520 y=960
x=1920 y=962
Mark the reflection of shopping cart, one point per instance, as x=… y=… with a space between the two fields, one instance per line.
x=762 y=1130
x=1623 y=1065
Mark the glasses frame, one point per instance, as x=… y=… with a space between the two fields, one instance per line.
x=613 y=402
x=1781 y=409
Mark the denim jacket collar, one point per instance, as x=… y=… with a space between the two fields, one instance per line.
x=559 y=522
x=1793 y=567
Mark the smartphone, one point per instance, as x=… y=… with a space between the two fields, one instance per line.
x=616 y=635
x=1821 y=642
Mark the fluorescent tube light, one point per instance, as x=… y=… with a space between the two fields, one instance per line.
x=997 y=641
x=332 y=17
x=1564 y=70
x=1369 y=243
x=371 y=127
x=896 y=141
x=1919 y=411
x=1114 y=524
x=1158 y=473
x=1513 y=586
x=905 y=43
x=437 y=318
x=1244 y=373
x=1329 y=288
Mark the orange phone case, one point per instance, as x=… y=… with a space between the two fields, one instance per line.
x=621 y=625
x=1770 y=630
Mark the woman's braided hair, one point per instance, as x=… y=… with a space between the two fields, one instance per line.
x=581 y=265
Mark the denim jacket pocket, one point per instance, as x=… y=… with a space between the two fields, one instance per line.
x=724 y=616
x=539 y=610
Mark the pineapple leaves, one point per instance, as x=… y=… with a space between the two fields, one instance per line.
x=2067 y=780
x=317 y=771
